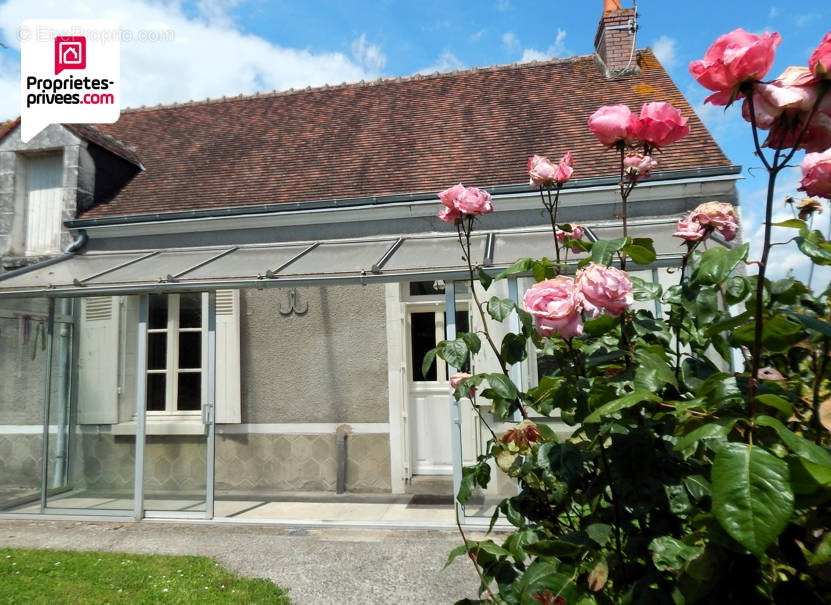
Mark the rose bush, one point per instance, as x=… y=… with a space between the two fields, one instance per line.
x=689 y=476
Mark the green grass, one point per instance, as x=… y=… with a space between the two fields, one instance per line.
x=63 y=577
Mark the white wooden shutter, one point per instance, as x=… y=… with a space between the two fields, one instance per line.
x=98 y=361
x=44 y=204
x=228 y=395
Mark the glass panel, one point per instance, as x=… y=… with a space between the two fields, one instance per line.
x=423 y=338
x=157 y=319
x=156 y=392
x=22 y=375
x=190 y=350
x=462 y=325
x=175 y=473
x=190 y=389
x=190 y=310
x=90 y=468
x=157 y=351
x=427 y=254
x=62 y=273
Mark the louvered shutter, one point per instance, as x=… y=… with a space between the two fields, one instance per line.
x=228 y=396
x=98 y=361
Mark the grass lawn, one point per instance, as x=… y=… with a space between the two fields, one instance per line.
x=59 y=577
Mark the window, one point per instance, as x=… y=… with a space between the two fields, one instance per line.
x=44 y=203
x=176 y=333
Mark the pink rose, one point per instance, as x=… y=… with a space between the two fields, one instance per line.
x=817 y=136
x=457 y=379
x=460 y=202
x=605 y=288
x=661 y=124
x=475 y=202
x=717 y=216
x=555 y=305
x=612 y=124
x=544 y=174
x=690 y=231
x=575 y=233
x=788 y=92
x=816 y=174
x=820 y=61
x=638 y=166
x=733 y=59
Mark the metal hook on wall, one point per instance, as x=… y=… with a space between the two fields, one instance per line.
x=293 y=306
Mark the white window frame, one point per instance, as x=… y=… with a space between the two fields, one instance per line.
x=171 y=370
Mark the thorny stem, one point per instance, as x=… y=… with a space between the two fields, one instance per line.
x=472 y=558
x=464 y=240
x=823 y=365
x=615 y=504
x=624 y=195
x=551 y=207
x=684 y=261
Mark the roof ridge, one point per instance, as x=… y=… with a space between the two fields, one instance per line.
x=362 y=83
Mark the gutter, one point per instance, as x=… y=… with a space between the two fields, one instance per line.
x=333 y=204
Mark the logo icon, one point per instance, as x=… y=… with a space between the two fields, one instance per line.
x=70 y=53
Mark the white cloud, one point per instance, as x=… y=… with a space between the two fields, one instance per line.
x=447 y=61
x=207 y=56
x=368 y=55
x=476 y=36
x=558 y=49
x=510 y=42
x=664 y=49
x=216 y=12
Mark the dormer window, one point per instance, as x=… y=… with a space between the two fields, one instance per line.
x=43 y=200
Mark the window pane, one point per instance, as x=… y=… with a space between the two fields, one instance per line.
x=155 y=392
x=462 y=325
x=190 y=350
x=190 y=389
x=190 y=310
x=433 y=288
x=157 y=351
x=158 y=311
x=423 y=339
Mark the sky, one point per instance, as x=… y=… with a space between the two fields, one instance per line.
x=183 y=50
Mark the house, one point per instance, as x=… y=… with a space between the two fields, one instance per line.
x=239 y=299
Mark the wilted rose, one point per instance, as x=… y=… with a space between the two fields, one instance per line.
x=689 y=230
x=733 y=59
x=807 y=206
x=789 y=92
x=817 y=134
x=555 y=305
x=660 y=124
x=613 y=124
x=717 y=216
x=457 y=379
x=604 y=288
x=524 y=435
x=816 y=174
x=638 y=166
x=544 y=173
x=820 y=61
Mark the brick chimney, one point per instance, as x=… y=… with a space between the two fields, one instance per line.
x=614 y=42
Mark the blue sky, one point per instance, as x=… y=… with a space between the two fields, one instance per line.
x=211 y=48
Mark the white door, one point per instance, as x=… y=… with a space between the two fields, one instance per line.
x=44 y=204
x=429 y=396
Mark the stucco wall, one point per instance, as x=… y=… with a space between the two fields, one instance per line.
x=328 y=365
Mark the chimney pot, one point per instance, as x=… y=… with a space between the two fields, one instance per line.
x=614 y=42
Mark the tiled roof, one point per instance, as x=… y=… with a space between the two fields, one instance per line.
x=394 y=136
x=94 y=135
x=7 y=127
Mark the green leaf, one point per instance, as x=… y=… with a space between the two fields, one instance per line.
x=627 y=401
x=474 y=344
x=735 y=289
x=500 y=308
x=793 y=223
x=752 y=496
x=429 y=357
x=717 y=263
x=775 y=401
x=652 y=371
x=807 y=477
x=815 y=247
x=502 y=386
x=484 y=279
x=641 y=250
x=645 y=290
x=513 y=348
x=603 y=250
x=522 y=265
x=798 y=445
x=459 y=550
x=697 y=486
x=778 y=334
x=454 y=352
x=597 y=327
x=599 y=532
x=669 y=554
x=811 y=323
x=542 y=576
x=711 y=430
